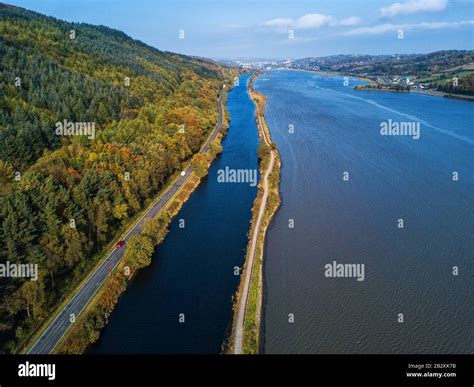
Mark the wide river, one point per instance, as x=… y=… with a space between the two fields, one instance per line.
x=192 y=272
x=417 y=292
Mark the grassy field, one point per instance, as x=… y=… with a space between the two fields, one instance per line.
x=441 y=78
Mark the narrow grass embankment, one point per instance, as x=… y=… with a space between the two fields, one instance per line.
x=87 y=327
x=248 y=301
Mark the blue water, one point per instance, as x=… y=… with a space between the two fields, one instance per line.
x=407 y=270
x=192 y=272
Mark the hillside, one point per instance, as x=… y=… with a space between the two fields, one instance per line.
x=381 y=65
x=92 y=124
x=446 y=71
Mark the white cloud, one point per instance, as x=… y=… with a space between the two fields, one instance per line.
x=414 y=6
x=384 y=28
x=312 y=20
x=351 y=21
x=280 y=22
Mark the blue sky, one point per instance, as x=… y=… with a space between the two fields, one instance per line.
x=277 y=28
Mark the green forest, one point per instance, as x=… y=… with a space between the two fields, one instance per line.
x=465 y=85
x=63 y=198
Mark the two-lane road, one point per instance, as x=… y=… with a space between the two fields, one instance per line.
x=60 y=325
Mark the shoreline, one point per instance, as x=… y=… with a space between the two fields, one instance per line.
x=246 y=326
x=432 y=93
x=372 y=83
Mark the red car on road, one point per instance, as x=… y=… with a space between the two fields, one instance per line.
x=119 y=244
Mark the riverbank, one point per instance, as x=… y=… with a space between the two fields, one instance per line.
x=434 y=93
x=246 y=331
x=193 y=271
x=88 y=322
